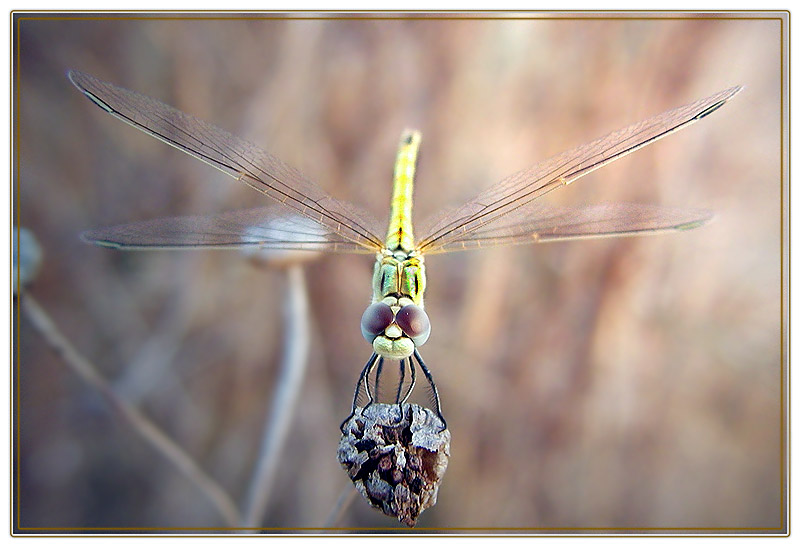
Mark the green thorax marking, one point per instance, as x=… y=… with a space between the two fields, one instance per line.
x=398 y=275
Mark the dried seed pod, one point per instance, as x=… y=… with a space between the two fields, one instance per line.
x=396 y=456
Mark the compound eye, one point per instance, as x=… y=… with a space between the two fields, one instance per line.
x=376 y=318
x=415 y=323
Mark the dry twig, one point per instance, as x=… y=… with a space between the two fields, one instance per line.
x=151 y=434
x=287 y=390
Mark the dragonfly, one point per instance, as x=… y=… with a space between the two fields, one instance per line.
x=306 y=218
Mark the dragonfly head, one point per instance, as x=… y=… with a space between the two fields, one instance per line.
x=395 y=327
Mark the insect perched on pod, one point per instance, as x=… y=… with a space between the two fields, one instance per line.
x=395 y=454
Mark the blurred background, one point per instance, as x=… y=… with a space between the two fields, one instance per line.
x=608 y=383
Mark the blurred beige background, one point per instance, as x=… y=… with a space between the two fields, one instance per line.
x=617 y=383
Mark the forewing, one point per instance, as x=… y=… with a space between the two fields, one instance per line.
x=512 y=194
x=234 y=156
x=558 y=224
x=264 y=228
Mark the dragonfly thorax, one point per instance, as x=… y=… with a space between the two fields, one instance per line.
x=399 y=274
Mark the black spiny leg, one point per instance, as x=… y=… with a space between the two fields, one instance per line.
x=397 y=399
x=413 y=380
x=378 y=373
x=400 y=383
x=364 y=374
x=366 y=381
x=429 y=376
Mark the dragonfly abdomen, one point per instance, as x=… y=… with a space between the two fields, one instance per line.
x=401 y=233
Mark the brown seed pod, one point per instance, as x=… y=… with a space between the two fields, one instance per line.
x=396 y=457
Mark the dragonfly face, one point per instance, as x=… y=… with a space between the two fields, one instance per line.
x=307 y=218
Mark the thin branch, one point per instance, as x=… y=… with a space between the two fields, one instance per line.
x=149 y=432
x=284 y=400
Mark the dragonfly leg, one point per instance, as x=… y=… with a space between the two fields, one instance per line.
x=400 y=383
x=413 y=381
x=361 y=379
x=429 y=376
x=377 y=380
x=378 y=373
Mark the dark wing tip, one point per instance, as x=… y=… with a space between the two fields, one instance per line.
x=93 y=237
x=77 y=78
x=721 y=99
x=85 y=83
x=701 y=217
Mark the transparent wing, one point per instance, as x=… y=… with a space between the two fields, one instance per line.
x=508 y=199
x=558 y=224
x=264 y=228
x=235 y=157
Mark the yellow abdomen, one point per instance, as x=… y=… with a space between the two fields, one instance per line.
x=401 y=234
